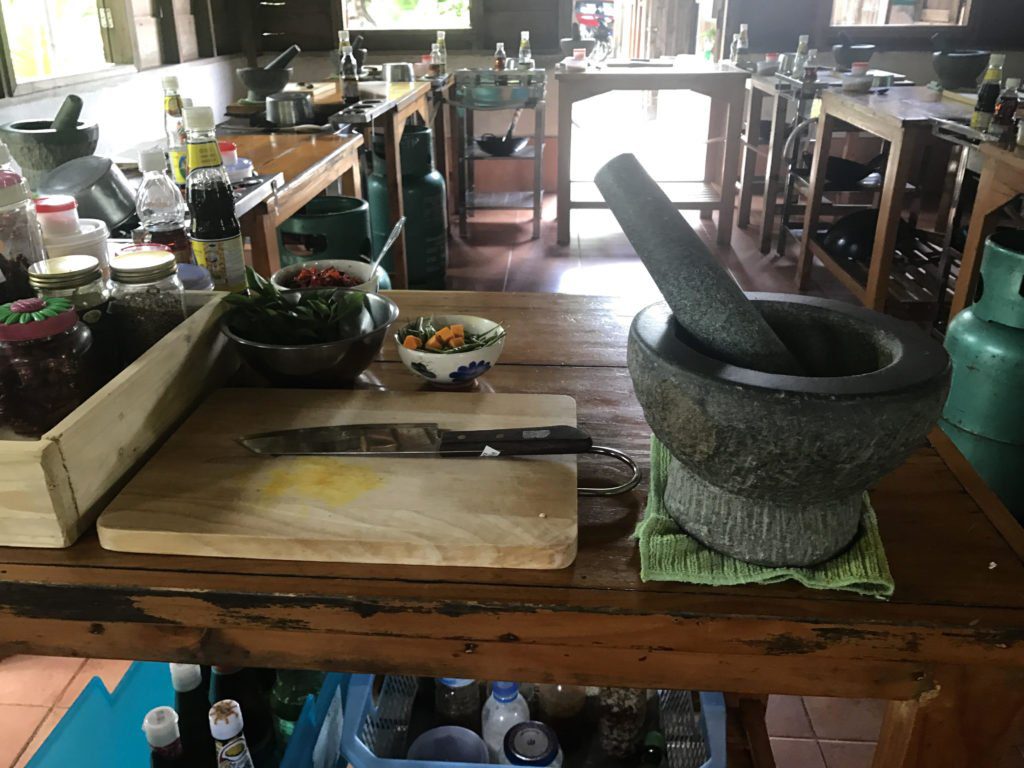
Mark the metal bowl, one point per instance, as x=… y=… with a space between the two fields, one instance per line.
x=848 y=55
x=335 y=364
x=398 y=72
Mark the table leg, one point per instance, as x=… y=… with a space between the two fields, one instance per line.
x=565 y=101
x=755 y=99
x=890 y=210
x=730 y=170
x=352 y=182
x=968 y=719
x=261 y=228
x=538 y=166
x=773 y=170
x=826 y=127
x=393 y=130
x=713 y=159
x=990 y=198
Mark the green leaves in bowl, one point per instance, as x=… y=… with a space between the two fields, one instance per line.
x=319 y=316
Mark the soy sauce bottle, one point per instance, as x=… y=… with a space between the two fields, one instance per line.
x=215 y=236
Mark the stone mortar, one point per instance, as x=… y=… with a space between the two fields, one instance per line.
x=771 y=468
x=39 y=149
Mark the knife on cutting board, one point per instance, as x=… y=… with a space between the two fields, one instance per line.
x=419 y=441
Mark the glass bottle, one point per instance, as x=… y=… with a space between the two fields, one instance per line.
x=1005 y=113
x=174 y=130
x=243 y=685
x=160 y=206
x=810 y=72
x=228 y=730
x=192 y=703
x=79 y=280
x=531 y=744
x=561 y=707
x=349 y=76
x=621 y=716
x=216 y=235
x=21 y=239
x=436 y=70
x=653 y=754
x=800 y=57
x=287 y=698
x=47 y=365
x=525 y=51
x=988 y=93
x=457 y=702
x=161 y=728
x=500 y=57
x=734 y=49
x=147 y=299
x=442 y=49
x=743 y=47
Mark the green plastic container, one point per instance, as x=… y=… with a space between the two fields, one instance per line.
x=330 y=228
x=424 y=199
x=984 y=414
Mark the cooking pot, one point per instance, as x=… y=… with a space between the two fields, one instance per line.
x=98 y=186
x=398 y=72
x=290 y=108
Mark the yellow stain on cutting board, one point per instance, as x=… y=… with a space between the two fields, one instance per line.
x=327 y=481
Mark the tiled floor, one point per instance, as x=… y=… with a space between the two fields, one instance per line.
x=497 y=255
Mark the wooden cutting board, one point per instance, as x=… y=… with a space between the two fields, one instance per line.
x=204 y=494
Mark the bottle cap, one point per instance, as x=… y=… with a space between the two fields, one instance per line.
x=505 y=691
x=13 y=189
x=1013 y=83
x=531 y=743
x=139 y=264
x=343 y=36
x=55 y=203
x=152 y=159
x=525 y=34
x=441 y=34
x=161 y=726
x=346 y=49
x=225 y=720
x=170 y=83
x=997 y=59
x=456 y=682
x=34 y=319
x=186 y=677
x=198 y=118
x=655 y=739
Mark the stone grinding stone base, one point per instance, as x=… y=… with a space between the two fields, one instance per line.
x=760 y=531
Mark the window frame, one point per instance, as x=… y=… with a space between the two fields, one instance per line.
x=909 y=37
x=462 y=39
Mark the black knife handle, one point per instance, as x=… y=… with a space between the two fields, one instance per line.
x=535 y=441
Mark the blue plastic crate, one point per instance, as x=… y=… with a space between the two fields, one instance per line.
x=104 y=730
x=377 y=728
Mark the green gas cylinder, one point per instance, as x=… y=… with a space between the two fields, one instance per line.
x=984 y=414
x=424 y=198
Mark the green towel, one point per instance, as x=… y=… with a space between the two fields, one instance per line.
x=668 y=554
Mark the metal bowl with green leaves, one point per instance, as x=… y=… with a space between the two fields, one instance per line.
x=307 y=338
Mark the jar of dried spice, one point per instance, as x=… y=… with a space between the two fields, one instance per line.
x=79 y=280
x=47 y=364
x=21 y=239
x=147 y=299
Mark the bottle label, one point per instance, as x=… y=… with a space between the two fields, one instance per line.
x=205 y=154
x=224 y=259
x=179 y=165
x=172 y=105
x=233 y=753
x=350 y=87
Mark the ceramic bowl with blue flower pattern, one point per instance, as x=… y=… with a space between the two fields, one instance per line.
x=453 y=369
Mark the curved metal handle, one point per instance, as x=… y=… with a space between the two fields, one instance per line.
x=617 y=489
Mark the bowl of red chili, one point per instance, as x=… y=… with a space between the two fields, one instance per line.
x=327 y=273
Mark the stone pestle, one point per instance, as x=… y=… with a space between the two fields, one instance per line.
x=704 y=298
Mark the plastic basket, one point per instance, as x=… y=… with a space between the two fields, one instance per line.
x=376 y=727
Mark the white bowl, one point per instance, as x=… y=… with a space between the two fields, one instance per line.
x=453 y=369
x=358 y=269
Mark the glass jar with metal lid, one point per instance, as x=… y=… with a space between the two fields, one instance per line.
x=79 y=280
x=147 y=299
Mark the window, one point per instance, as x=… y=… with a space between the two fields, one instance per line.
x=880 y=13
x=54 y=38
x=406 y=14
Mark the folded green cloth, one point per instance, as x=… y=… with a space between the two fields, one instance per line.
x=669 y=554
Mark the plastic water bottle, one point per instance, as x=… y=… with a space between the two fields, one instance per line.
x=503 y=709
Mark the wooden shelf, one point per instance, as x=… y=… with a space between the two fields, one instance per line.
x=483 y=201
x=683 y=194
x=526 y=153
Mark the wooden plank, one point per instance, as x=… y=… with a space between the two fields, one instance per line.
x=502 y=513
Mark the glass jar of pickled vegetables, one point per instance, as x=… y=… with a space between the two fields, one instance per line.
x=47 y=364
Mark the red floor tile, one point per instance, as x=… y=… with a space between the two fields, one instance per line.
x=847 y=754
x=797 y=753
x=786 y=716
x=36 y=680
x=845 y=719
x=17 y=724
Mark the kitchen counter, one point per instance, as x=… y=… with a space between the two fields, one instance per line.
x=948 y=649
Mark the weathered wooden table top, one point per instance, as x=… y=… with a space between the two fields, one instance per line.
x=953 y=551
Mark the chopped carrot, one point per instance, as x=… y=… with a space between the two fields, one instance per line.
x=435 y=343
x=445 y=334
x=456 y=342
x=412 y=342
x=457 y=329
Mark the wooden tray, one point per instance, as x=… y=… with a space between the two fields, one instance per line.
x=203 y=494
x=52 y=488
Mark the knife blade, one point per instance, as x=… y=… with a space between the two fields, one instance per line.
x=418 y=440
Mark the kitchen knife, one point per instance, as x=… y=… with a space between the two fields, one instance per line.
x=418 y=441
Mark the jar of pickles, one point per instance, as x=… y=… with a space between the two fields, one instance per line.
x=47 y=364
x=147 y=299
x=79 y=280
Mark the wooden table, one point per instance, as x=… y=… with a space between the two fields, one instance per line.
x=948 y=649
x=902 y=117
x=759 y=88
x=309 y=164
x=722 y=83
x=1002 y=179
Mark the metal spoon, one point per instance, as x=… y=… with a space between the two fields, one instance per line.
x=387 y=246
